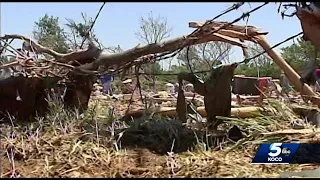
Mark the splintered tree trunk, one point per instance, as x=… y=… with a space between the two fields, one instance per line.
x=310 y=26
x=292 y=75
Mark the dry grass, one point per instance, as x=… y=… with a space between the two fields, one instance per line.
x=96 y=144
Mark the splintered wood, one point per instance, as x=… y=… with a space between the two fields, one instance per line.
x=250 y=33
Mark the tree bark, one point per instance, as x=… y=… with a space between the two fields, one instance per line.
x=130 y=55
x=166 y=46
x=310 y=25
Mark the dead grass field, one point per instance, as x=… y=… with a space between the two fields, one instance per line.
x=97 y=144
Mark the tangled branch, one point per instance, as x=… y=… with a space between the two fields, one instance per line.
x=92 y=57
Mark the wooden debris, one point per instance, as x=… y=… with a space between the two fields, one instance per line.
x=293 y=131
x=250 y=30
x=242 y=112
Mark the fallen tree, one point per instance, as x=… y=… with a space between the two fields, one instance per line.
x=119 y=59
x=80 y=67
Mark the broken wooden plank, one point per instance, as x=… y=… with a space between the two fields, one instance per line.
x=160 y=100
x=293 y=131
x=241 y=112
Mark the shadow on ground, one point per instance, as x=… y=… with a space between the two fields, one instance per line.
x=171 y=135
x=160 y=136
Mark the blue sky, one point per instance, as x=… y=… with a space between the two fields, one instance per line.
x=118 y=22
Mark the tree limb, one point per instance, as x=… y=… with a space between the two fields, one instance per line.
x=38 y=48
x=251 y=30
x=90 y=53
x=165 y=46
x=95 y=57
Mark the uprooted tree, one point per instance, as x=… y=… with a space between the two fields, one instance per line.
x=78 y=69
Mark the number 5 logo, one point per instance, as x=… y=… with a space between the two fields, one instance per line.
x=275 y=147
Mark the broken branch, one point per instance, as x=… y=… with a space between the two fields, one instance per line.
x=250 y=30
x=38 y=48
x=166 y=46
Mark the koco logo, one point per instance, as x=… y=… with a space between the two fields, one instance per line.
x=275 y=150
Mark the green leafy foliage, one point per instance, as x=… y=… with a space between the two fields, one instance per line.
x=300 y=54
x=49 y=33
